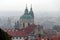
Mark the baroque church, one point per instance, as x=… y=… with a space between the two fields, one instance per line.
x=26 y=19
x=25 y=27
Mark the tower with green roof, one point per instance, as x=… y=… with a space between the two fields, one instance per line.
x=27 y=18
x=31 y=12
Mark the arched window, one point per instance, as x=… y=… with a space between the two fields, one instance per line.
x=16 y=37
x=20 y=37
x=23 y=25
x=28 y=24
x=39 y=35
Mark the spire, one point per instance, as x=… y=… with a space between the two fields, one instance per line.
x=26 y=6
x=26 y=10
x=31 y=12
x=31 y=8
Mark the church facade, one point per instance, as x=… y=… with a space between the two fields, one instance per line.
x=26 y=19
x=25 y=27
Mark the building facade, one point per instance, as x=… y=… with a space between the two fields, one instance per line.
x=25 y=27
x=27 y=18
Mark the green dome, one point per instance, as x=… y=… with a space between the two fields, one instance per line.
x=26 y=17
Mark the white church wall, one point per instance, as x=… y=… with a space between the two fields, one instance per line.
x=26 y=24
x=25 y=21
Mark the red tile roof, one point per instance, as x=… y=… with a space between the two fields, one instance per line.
x=22 y=32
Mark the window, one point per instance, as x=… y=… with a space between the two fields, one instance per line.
x=20 y=37
x=16 y=37
x=28 y=24
x=12 y=37
x=23 y=25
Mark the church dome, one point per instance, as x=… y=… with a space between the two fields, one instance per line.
x=28 y=14
x=26 y=17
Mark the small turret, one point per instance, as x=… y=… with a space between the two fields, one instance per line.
x=17 y=25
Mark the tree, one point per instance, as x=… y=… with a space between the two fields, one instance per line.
x=4 y=35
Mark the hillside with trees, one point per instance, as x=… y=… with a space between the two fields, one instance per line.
x=4 y=35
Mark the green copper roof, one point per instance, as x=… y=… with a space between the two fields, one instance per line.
x=26 y=17
x=27 y=14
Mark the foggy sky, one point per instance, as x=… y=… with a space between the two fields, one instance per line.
x=37 y=5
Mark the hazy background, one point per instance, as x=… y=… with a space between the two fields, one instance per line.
x=40 y=7
x=46 y=12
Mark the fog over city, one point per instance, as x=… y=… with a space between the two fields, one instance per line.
x=43 y=10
